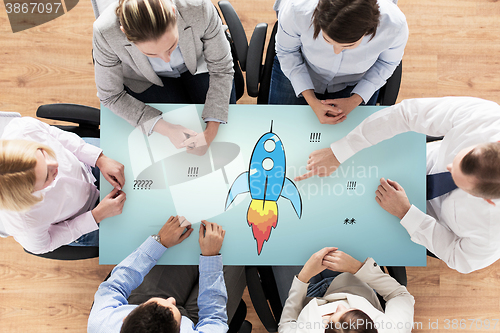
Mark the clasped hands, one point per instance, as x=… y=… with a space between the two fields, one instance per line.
x=332 y=111
x=182 y=137
x=177 y=229
x=328 y=258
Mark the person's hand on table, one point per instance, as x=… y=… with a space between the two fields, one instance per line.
x=111 y=170
x=392 y=197
x=339 y=261
x=327 y=114
x=321 y=162
x=211 y=238
x=314 y=265
x=177 y=134
x=344 y=105
x=172 y=232
x=198 y=144
x=111 y=205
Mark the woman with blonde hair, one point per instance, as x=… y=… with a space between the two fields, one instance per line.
x=162 y=51
x=47 y=192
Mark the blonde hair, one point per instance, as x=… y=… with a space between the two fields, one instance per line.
x=145 y=20
x=17 y=173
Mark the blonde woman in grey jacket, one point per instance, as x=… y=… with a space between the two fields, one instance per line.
x=164 y=51
x=346 y=302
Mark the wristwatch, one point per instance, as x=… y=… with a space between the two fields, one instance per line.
x=156 y=238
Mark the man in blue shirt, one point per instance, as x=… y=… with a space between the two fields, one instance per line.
x=115 y=308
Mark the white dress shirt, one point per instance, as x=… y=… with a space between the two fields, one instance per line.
x=312 y=64
x=64 y=213
x=304 y=315
x=461 y=229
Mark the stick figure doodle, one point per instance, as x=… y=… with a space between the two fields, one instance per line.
x=266 y=181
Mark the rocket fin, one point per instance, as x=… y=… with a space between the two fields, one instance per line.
x=291 y=193
x=240 y=185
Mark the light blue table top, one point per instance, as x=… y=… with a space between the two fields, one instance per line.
x=339 y=210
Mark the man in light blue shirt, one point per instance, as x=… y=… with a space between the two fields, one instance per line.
x=190 y=310
x=335 y=54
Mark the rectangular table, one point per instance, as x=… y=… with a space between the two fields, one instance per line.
x=339 y=210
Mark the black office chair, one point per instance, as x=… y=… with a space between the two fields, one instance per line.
x=87 y=121
x=87 y=118
x=265 y=298
x=258 y=80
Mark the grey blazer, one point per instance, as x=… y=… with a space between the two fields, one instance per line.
x=119 y=62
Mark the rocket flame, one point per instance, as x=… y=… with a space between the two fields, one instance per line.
x=262 y=216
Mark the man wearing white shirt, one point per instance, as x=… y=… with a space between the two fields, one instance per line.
x=462 y=226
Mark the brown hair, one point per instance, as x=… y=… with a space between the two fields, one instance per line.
x=145 y=20
x=17 y=173
x=353 y=321
x=346 y=21
x=483 y=162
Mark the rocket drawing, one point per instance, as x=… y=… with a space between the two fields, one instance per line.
x=266 y=181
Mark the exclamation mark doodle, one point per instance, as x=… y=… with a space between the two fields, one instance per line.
x=319 y=136
x=351 y=185
x=196 y=172
x=315 y=137
x=311 y=138
x=189 y=172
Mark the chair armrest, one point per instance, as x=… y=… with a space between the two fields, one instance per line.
x=254 y=59
x=236 y=30
x=429 y=138
x=265 y=79
x=81 y=114
x=67 y=252
x=398 y=273
x=259 y=299
x=391 y=89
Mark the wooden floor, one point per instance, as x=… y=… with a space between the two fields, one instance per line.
x=453 y=49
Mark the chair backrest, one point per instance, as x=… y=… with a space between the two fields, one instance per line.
x=5 y=118
x=100 y=5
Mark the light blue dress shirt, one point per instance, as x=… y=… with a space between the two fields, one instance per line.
x=111 y=305
x=312 y=64
x=174 y=68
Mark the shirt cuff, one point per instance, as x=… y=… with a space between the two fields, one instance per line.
x=369 y=267
x=89 y=154
x=412 y=220
x=342 y=150
x=152 y=248
x=211 y=264
x=300 y=83
x=214 y=119
x=150 y=124
x=365 y=89
x=86 y=223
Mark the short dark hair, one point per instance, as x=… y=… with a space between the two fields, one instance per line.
x=353 y=321
x=346 y=21
x=150 y=318
x=483 y=162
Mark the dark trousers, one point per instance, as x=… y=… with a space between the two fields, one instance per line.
x=281 y=91
x=187 y=89
x=181 y=283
